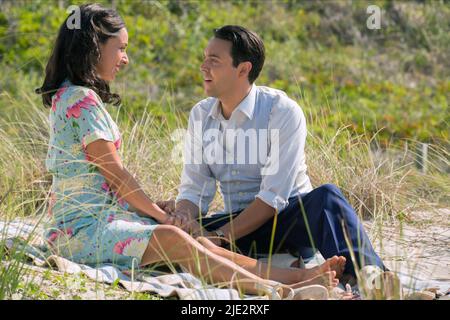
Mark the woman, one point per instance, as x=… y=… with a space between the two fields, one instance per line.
x=93 y=193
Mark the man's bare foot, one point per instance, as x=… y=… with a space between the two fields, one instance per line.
x=327 y=279
x=334 y=263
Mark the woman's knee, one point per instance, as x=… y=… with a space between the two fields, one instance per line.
x=208 y=244
x=170 y=235
x=167 y=243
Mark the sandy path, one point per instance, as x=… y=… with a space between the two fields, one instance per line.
x=421 y=248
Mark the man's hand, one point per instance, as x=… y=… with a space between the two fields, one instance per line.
x=176 y=220
x=195 y=229
x=167 y=206
x=191 y=211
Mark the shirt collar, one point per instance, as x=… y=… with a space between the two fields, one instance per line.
x=247 y=105
x=215 y=110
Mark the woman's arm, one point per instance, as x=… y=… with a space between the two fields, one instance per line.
x=104 y=155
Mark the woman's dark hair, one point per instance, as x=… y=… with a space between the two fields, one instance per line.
x=77 y=52
x=245 y=46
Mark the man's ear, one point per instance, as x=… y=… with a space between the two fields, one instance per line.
x=244 y=69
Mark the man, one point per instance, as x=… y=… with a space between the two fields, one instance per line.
x=269 y=203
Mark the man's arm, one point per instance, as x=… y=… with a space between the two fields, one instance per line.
x=253 y=217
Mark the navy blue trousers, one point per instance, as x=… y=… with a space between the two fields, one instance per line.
x=320 y=220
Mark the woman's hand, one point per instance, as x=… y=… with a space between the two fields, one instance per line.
x=190 y=226
x=176 y=220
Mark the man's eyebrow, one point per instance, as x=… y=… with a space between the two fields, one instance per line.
x=212 y=55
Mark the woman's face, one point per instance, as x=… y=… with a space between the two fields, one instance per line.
x=113 y=55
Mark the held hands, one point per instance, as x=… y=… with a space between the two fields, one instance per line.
x=190 y=226
x=177 y=219
x=180 y=220
x=171 y=218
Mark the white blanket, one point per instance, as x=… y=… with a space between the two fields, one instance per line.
x=184 y=285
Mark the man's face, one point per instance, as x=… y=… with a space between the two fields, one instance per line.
x=219 y=74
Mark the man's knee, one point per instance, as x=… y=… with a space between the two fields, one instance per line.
x=329 y=194
x=328 y=189
x=333 y=199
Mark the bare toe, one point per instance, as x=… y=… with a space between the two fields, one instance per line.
x=329 y=264
x=340 y=266
x=328 y=279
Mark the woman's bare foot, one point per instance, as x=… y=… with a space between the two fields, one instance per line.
x=347 y=294
x=310 y=292
x=334 y=263
x=327 y=279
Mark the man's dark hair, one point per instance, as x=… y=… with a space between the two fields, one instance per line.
x=77 y=51
x=245 y=46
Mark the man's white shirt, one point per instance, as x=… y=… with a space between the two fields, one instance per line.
x=258 y=152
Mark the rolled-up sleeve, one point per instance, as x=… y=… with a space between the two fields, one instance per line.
x=287 y=132
x=197 y=182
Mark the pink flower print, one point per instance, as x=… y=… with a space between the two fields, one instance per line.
x=117 y=143
x=111 y=218
x=132 y=247
x=53 y=236
x=69 y=232
x=86 y=156
x=121 y=202
x=105 y=186
x=57 y=97
x=84 y=103
x=57 y=234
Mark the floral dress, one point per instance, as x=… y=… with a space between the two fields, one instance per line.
x=90 y=224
